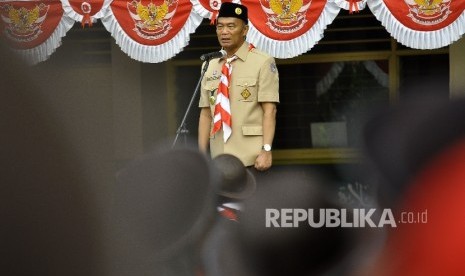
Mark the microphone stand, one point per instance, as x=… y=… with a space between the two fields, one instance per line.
x=182 y=129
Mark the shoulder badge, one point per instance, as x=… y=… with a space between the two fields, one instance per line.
x=273 y=67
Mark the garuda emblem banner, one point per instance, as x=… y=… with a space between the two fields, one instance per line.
x=421 y=24
x=287 y=28
x=33 y=28
x=151 y=30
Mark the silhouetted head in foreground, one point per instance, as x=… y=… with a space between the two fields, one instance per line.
x=274 y=242
x=164 y=204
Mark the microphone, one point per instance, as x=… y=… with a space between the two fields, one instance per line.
x=219 y=54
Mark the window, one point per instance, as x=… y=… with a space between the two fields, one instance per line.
x=323 y=104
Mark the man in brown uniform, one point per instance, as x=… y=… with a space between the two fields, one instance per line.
x=253 y=94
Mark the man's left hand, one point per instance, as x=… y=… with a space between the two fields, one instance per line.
x=264 y=161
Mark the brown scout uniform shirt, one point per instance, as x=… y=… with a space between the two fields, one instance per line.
x=252 y=71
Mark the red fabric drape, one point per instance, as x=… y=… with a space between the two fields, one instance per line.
x=209 y=8
x=425 y=15
x=85 y=12
x=156 y=30
x=286 y=29
x=421 y=24
x=277 y=21
x=151 y=22
x=151 y=31
x=28 y=24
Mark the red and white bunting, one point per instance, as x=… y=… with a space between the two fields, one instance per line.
x=34 y=29
x=156 y=30
x=151 y=30
x=285 y=32
x=86 y=12
x=209 y=8
x=421 y=24
x=351 y=5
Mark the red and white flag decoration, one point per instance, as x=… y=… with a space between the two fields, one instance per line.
x=285 y=29
x=151 y=30
x=421 y=24
x=351 y=5
x=156 y=30
x=209 y=8
x=87 y=11
x=33 y=28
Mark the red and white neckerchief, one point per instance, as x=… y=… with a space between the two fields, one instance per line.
x=230 y=211
x=222 y=115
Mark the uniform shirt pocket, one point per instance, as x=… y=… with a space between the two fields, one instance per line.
x=247 y=88
x=252 y=130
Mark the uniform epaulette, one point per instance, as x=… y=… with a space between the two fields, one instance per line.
x=260 y=53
